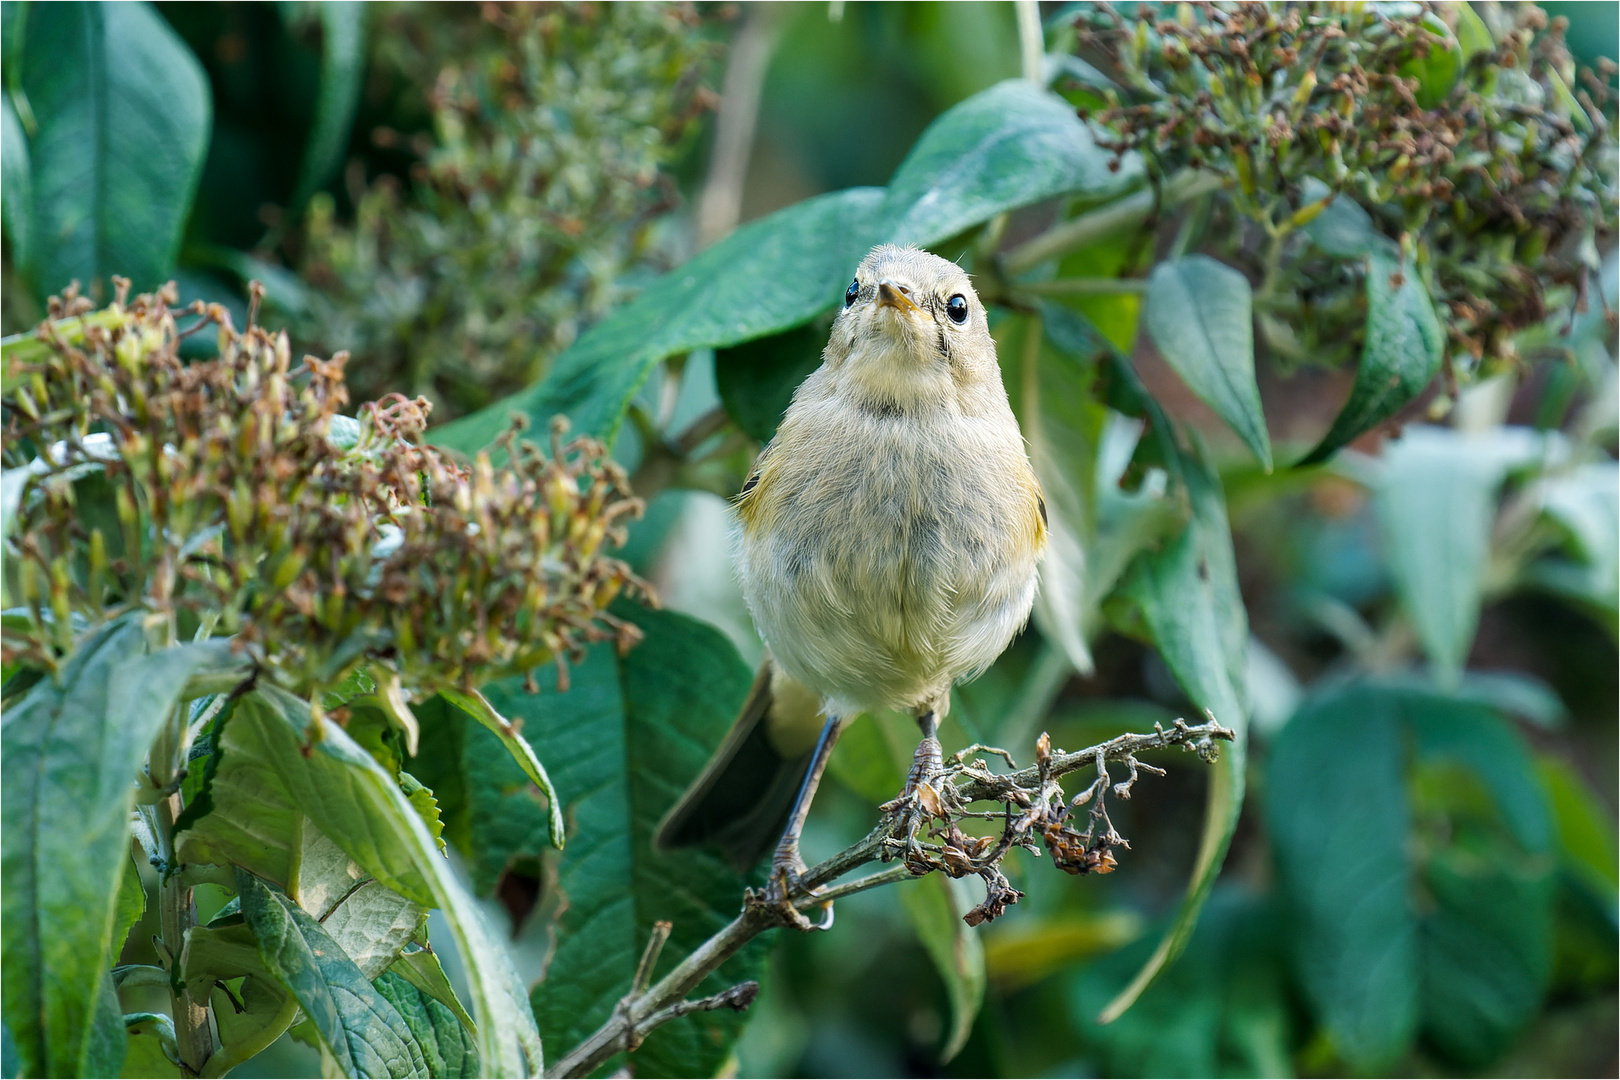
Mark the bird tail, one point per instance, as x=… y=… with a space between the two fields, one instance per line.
x=741 y=801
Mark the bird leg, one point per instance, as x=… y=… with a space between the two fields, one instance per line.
x=919 y=801
x=787 y=865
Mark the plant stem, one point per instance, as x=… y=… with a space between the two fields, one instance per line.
x=193 y=1036
x=1085 y=286
x=1107 y=220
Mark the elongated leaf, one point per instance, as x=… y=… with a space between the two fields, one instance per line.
x=343 y=65
x=124 y=113
x=1006 y=147
x=478 y=707
x=1200 y=316
x=16 y=183
x=1337 y=812
x=446 y=1045
x=935 y=914
x=626 y=739
x=756 y=379
x=1188 y=596
x=421 y=968
x=1402 y=351
x=72 y=748
x=1009 y=146
x=1436 y=500
x=360 y=1027
x=768 y=276
x=492 y=812
x=357 y=803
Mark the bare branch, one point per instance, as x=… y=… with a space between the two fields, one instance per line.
x=923 y=833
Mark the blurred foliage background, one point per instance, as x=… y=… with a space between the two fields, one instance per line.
x=452 y=193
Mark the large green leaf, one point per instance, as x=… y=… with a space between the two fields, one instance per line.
x=1337 y=811
x=16 y=182
x=493 y=813
x=1006 y=147
x=446 y=1045
x=625 y=740
x=361 y=1028
x=756 y=379
x=1009 y=146
x=72 y=747
x=1472 y=967
x=1188 y=596
x=768 y=276
x=1435 y=492
x=124 y=111
x=1487 y=942
x=351 y=798
x=478 y=707
x=1200 y=316
x=1402 y=350
x=935 y=910
x=343 y=65
x=1223 y=1009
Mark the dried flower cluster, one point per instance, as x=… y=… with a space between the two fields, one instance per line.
x=923 y=828
x=233 y=497
x=537 y=193
x=1480 y=146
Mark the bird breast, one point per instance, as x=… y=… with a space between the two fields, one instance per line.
x=886 y=555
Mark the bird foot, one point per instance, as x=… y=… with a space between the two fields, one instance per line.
x=776 y=898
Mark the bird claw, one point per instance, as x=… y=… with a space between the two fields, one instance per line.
x=776 y=898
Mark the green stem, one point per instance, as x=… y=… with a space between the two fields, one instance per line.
x=176 y=915
x=231 y=1056
x=1105 y=221
x=1085 y=286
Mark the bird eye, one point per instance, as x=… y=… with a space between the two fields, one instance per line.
x=956 y=307
x=852 y=292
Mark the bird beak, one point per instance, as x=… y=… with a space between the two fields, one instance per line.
x=892 y=295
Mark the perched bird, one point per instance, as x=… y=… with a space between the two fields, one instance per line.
x=889 y=541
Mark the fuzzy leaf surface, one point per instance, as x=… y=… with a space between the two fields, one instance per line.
x=124 y=112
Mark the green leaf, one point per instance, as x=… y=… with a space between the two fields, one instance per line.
x=1223 y=1009
x=1487 y=940
x=131 y=905
x=932 y=906
x=1435 y=494
x=1342 y=228
x=1586 y=831
x=421 y=968
x=1200 y=316
x=350 y=798
x=152 y=1050
x=256 y=1016
x=1437 y=72
x=16 y=201
x=446 y=1045
x=1006 y=147
x=492 y=812
x=1337 y=812
x=478 y=707
x=343 y=66
x=371 y=923
x=73 y=746
x=626 y=739
x=1473 y=36
x=768 y=276
x=358 y=1025
x=1586 y=503
x=124 y=113
x=756 y=379
x=1009 y=146
x=1188 y=595
x=1402 y=351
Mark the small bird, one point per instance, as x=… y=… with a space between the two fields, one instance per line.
x=889 y=541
